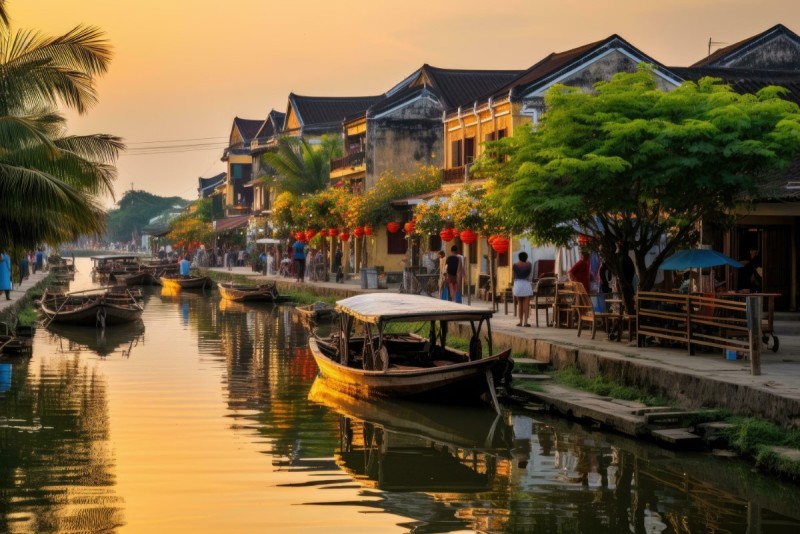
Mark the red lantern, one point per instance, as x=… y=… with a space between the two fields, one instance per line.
x=333 y=232
x=583 y=240
x=368 y=230
x=358 y=232
x=344 y=236
x=491 y=238
x=447 y=234
x=410 y=226
x=310 y=233
x=468 y=237
x=500 y=244
x=393 y=227
x=300 y=236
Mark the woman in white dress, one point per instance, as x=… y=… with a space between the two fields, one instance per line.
x=523 y=288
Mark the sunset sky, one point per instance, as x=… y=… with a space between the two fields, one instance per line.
x=182 y=69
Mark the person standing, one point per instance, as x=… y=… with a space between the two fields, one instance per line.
x=299 y=251
x=454 y=272
x=185 y=265
x=39 y=261
x=5 y=274
x=523 y=288
x=581 y=271
x=23 y=268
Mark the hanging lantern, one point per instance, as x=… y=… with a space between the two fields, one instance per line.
x=358 y=232
x=333 y=232
x=410 y=226
x=447 y=234
x=310 y=233
x=368 y=230
x=583 y=240
x=344 y=236
x=491 y=238
x=500 y=244
x=393 y=227
x=468 y=237
x=300 y=236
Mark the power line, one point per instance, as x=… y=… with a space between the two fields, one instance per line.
x=174 y=140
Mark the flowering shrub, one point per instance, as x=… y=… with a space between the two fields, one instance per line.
x=284 y=210
x=428 y=215
x=377 y=209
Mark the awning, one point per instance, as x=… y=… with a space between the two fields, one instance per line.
x=230 y=223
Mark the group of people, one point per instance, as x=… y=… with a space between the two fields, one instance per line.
x=31 y=261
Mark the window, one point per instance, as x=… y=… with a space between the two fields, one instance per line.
x=396 y=243
x=456 y=154
x=469 y=150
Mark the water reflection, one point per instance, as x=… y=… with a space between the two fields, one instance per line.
x=118 y=339
x=208 y=427
x=56 y=465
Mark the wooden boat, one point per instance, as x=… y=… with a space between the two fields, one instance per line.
x=243 y=293
x=95 y=307
x=316 y=311
x=375 y=351
x=176 y=282
x=109 y=266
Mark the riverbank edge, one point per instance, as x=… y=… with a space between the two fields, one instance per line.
x=10 y=312
x=689 y=390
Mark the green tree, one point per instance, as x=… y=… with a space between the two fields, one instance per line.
x=50 y=183
x=632 y=164
x=135 y=210
x=299 y=166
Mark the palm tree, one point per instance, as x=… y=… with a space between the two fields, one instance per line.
x=300 y=167
x=50 y=183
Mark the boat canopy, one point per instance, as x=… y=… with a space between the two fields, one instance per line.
x=376 y=308
x=116 y=257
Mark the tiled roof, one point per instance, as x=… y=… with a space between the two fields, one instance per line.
x=230 y=223
x=247 y=127
x=551 y=67
x=746 y=80
x=212 y=182
x=322 y=112
x=407 y=94
x=781 y=185
x=271 y=126
x=458 y=87
x=744 y=46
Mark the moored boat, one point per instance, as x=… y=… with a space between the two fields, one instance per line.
x=95 y=307
x=376 y=351
x=174 y=282
x=244 y=293
x=316 y=311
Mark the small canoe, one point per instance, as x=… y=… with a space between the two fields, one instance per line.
x=244 y=293
x=316 y=311
x=186 y=282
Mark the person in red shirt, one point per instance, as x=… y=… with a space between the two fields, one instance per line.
x=582 y=271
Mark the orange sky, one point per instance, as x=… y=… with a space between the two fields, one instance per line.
x=184 y=68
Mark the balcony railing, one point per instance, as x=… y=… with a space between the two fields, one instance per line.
x=350 y=160
x=456 y=175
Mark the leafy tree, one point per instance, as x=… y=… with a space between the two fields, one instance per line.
x=188 y=231
x=632 y=165
x=50 y=182
x=299 y=166
x=135 y=210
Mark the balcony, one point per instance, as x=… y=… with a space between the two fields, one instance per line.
x=456 y=175
x=350 y=161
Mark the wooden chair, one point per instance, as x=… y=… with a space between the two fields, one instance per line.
x=563 y=312
x=584 y=311
x=544 y=296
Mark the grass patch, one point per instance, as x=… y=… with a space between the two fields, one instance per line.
x=755 y=438
x=599 y=385
x=304 y=297
x=27 y=316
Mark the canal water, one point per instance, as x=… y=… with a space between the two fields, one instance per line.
x=207 y=417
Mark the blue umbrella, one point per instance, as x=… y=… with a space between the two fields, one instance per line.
x=697 y=259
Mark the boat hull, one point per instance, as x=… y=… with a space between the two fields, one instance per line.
x=201 y=282
x=456 y=383
x=249 y=294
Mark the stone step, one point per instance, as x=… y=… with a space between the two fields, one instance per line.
x=665 y=418
x=522 y=376
x=787 y=453
x=679 y=437
x=654 y=409
x=530 y=361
